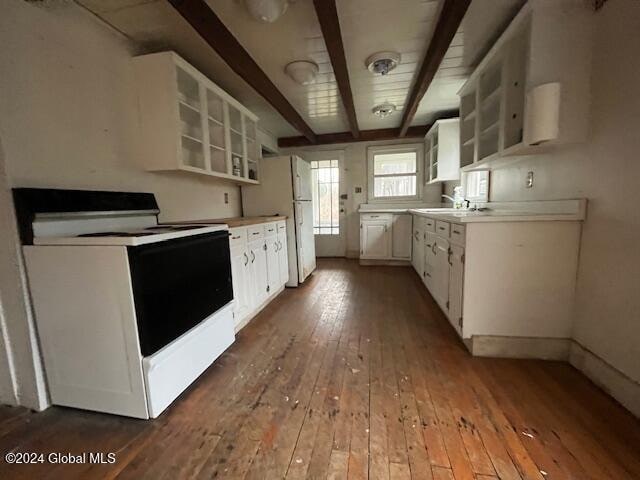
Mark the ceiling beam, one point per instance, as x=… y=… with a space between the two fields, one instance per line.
x=450 y=18
x=330 y=25
x=347 y=137
x=204 y=21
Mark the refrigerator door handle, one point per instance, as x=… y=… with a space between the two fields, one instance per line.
x=298 y=186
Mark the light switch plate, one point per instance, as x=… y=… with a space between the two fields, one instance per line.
x=529 y=182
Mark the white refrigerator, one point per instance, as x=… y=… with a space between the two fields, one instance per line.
x=285 y=189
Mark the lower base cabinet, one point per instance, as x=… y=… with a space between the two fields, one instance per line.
x=385 y=236
x=259 y=267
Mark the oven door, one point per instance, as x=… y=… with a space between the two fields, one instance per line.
x=177 y=284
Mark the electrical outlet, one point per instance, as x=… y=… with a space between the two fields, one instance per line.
x=529 y=182
x=226 y=197
x=358 y=189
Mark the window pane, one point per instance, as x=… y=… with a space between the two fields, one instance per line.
x=387 y=163
x=395 y=186
x=325 y=189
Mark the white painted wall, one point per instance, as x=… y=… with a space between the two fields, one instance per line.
x=68 y=119
x=355 y=165
x=606 y=170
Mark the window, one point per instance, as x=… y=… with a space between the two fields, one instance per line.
x=325 y=179
x=394 y=172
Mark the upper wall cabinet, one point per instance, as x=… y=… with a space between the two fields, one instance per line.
x=532 y=88
x=442 y=151
x=188 y=123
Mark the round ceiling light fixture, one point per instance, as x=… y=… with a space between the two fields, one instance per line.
x=302 y=71
x=384 y=109
x=382 y=63
x=267 y=11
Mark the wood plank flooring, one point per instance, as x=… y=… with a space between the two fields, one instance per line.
x=357 y=374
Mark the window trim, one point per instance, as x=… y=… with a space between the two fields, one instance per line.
x=418 y=148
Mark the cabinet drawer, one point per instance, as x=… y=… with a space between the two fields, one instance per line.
x=237 y=236
x=443 y=228
x=375 y=216
x=255 y=232
x=282 y=226
x=457 y=233
x=270 y=229
x=429 y=225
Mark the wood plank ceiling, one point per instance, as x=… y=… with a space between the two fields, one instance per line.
x=337 y=106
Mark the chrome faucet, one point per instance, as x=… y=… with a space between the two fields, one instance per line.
x=453 y=200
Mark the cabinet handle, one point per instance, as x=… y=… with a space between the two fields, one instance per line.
x=442 y=228
x=235 y=238
x=449 y=252
x=427 y=274
x=253 y=257
x=246 y=259
x=385 y=228
x=374 y=216
x=433 y=249
x=255 y=233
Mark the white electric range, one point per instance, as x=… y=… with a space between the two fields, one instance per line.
x=129 y=312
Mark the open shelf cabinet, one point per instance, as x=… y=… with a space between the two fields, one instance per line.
x=190 y=124
x=543 y=45
x=442 y=151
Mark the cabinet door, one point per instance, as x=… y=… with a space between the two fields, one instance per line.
x=456 y=282
x=429 y=260
x=273 y=264
x=241 y=286
x=441 y=273
x=375 y=240
x=283 y=258
x=258 y=271
x=401 y=237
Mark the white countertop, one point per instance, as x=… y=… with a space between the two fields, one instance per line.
x=540 y=211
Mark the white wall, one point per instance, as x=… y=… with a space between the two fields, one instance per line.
x=355 y=166
x=68 y=119
x=606 y=170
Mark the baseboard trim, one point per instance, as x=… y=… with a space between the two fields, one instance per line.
x=543 y=348
x=616 y=384
x=388 y=263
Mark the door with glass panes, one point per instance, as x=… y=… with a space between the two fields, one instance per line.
x=327 y=186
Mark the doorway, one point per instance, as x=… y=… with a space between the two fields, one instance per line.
x=327 y=181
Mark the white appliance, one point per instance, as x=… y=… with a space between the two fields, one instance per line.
x=285 y=189
x=129 y=312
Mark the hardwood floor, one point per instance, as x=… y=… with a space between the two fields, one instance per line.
x=356 y=374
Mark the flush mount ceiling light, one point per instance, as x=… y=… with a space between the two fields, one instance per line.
x=302 y=71
x=267 y=11
x=384 y=109
x=382 y=63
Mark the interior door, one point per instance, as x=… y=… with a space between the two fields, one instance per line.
x=329 y=195
x=301 y=171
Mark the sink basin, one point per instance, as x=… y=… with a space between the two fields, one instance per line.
x=441 y=210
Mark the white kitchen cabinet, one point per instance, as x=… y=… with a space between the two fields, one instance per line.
x=188 y=123
x=375 y=237
x=283 y=256
x=273 y=263
x=429 y=259
x=442 y=142
x=401 y=237
x=456 y=285
x=259 y=267
x=531 y=89
x=418 y=241
x=258 y=271
x=241 y=282
x=440 y=280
